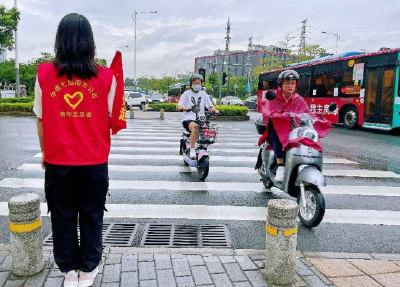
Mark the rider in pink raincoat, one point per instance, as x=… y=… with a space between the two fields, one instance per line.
x=278 y=122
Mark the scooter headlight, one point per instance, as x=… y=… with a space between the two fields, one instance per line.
x=310 y=134
x=202 y=117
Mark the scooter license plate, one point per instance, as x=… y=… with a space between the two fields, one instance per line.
x=208 y=133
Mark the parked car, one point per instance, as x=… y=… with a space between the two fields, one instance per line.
x=231 y=101
x=156 y=98
x=135 y=99
x=251 y=102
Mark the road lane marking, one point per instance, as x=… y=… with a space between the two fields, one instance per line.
x=362 y=173
x=161 y=142
x=212 y=158
x=174 y=149
x=139 y=185
x=231 y=213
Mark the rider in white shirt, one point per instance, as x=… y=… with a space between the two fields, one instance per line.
x=194 y=96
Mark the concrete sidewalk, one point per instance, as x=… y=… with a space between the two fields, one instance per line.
x=146 y=267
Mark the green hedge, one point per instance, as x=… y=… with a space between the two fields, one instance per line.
x=19 y=107
x=16 y=100
x=232 y=110
x=168 y=107
x=224 y=110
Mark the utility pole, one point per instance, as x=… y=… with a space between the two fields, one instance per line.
x=134 y=17
x=17 y=85
x=249 y=63
x=337 y=38
x=303 y=37
x=228 y=42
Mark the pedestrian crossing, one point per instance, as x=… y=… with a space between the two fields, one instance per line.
x=135 y=170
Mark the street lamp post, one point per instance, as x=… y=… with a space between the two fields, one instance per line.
x=337 y=38
x=17 y=84
x=134 y=17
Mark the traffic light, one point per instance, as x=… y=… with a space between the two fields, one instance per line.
x=224 y=78
x=202 y=72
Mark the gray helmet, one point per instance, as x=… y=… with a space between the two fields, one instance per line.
x=288 y=75
x=195 y=77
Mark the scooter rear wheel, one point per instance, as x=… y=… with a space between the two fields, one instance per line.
x=313 y=213
x=203 y=168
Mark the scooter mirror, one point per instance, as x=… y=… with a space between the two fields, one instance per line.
x=333 y=107
x=270 y=95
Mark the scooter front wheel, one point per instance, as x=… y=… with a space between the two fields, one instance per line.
x=203 y=167
x=312 y=214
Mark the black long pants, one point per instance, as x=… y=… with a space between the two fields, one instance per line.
x=276 y=143
x=77 y=193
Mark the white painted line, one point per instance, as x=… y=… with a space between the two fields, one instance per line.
x=163 y=143
x=361 y=190
x=367 y=217
x=237 y=213
x=146 y=185
x=158 y=169
x=360 y=173
x=177 y=137
x=137 y=185
x=168 y=128
x=148 y=133
x=243 y=170
x=212 y=158
x=174 y=149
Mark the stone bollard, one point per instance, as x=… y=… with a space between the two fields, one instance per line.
x=281 y=241
x=26 y=234
x=161 y=114
x=132 y=113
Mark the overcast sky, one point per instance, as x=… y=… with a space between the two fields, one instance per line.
x=169 y=41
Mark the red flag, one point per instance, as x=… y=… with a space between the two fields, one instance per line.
x=118 y=115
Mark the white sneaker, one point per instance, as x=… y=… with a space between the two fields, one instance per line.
x=71 y=279
x=86 y=279
x=280 y=174
x=192 y=153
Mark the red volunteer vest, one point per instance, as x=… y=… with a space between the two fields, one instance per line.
x=76 y=122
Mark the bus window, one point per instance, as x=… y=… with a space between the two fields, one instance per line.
x=347 y=87
x=268 y=85
x=387 y=93
x=304 y=88
x=324 y=85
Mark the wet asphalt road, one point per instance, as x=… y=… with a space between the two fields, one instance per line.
x=372 y=150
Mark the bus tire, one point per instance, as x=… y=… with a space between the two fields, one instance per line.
x=350 y=118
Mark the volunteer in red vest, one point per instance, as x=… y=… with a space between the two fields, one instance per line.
x=73 y=102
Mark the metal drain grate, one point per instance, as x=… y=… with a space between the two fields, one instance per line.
x=114 y=234
x=170 y=235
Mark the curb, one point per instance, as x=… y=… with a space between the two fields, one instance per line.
x=17 y=114
x=233 y=252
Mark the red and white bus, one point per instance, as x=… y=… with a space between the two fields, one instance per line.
x=364 y=85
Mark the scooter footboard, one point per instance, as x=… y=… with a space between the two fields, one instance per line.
x=311 y=175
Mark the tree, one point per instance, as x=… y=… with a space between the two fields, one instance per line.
x=285 y=43
x=129 y=82
x=212 y=82
x=101 y=62
x=45 y=57
x=9 y=20
x=308 y=53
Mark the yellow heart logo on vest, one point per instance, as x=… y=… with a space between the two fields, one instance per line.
x=68 y=98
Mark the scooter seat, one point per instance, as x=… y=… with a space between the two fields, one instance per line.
x=186 y=134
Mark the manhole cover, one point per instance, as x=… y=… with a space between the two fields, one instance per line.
x=170 y=235
x=114 y=234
